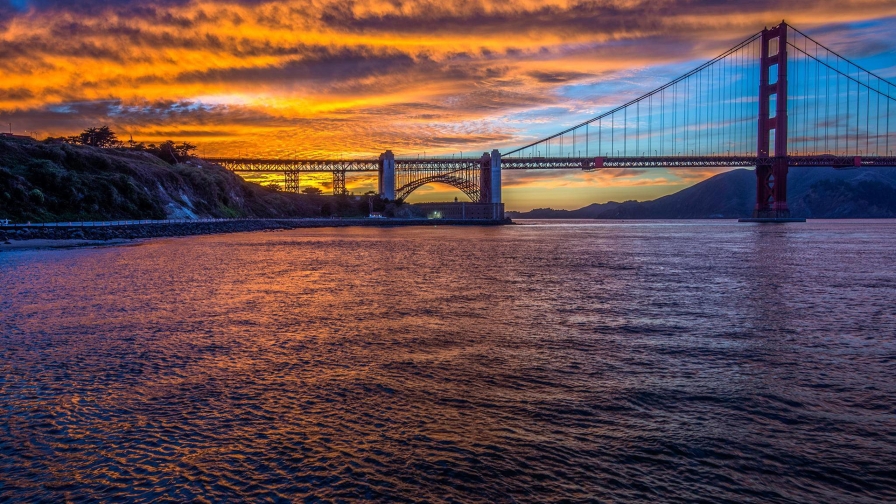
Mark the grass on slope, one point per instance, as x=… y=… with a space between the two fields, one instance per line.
x=43 y=182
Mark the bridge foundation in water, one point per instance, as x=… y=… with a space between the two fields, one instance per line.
x=471 y=211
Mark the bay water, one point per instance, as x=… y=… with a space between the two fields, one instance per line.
x=547 y=361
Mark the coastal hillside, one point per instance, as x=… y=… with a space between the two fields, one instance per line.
x=51 y=181
x=820 y=193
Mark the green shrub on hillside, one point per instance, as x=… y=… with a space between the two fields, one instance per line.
x=67 y=182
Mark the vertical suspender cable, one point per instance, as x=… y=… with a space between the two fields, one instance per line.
x=858 y=106
x=827 y=102
x=700 y=103
x=806 y=110
x=712 y=106
x=877 y=123
x=837 y=111
x=674 y=124
x=793 y=120
x=867 y=114
x=742 y=116
x=817 y=82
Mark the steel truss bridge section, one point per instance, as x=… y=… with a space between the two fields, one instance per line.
x=270 y=165
x=842 y=161
x=587 y=164
x=472 y=176
x=409 y=170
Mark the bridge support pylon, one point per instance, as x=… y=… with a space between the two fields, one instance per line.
x=490 y=177
x=771 y=179
x=339 y=188
x=387 y=175
x=485 y=178
x=496 y=177
x=291 y=181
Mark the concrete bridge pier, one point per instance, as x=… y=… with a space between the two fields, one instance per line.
x=387 y=175
x=495 y=192
x=485 y=178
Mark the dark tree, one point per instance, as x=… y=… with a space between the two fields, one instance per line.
x=312 y=191
x=168 y=151
x=171 y=152
x=98 y=137
x=137 y=146
x=184 y=150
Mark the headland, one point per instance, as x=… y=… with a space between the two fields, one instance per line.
x=55 y=193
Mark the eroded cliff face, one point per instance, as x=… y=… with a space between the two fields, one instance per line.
x=59 y=182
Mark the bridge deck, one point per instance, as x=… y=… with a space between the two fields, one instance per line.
x=543 y=163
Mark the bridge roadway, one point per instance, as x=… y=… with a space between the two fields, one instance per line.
x=273 y=165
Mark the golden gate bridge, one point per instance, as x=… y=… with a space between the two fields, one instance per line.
x=777 y=99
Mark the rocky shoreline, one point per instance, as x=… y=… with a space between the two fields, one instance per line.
x=95 y=234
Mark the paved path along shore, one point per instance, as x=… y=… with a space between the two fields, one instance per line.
x=69 y=234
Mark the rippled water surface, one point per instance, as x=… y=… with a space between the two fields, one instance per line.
x=629 y=362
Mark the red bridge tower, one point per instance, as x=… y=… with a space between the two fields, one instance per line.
x=771 y=173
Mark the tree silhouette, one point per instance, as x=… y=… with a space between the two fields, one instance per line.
x=171 y=152
x=186 y=149
x=105 y=138
x=98 y=137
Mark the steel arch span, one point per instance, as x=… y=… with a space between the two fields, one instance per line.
x=470 y=176
x=468 y=187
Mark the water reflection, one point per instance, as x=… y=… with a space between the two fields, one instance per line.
x=633 y=362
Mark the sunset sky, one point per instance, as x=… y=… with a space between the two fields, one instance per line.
x=354 y=78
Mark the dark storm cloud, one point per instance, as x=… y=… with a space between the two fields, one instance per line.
x=18 y=94
x=78 y=115
x=436 y=16
x=461 y=140
x=318 y=63
x=122 y=42
x=558 y=77
x=683 y=24
x=85 y=6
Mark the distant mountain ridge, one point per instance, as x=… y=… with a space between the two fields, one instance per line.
x=821 y=193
